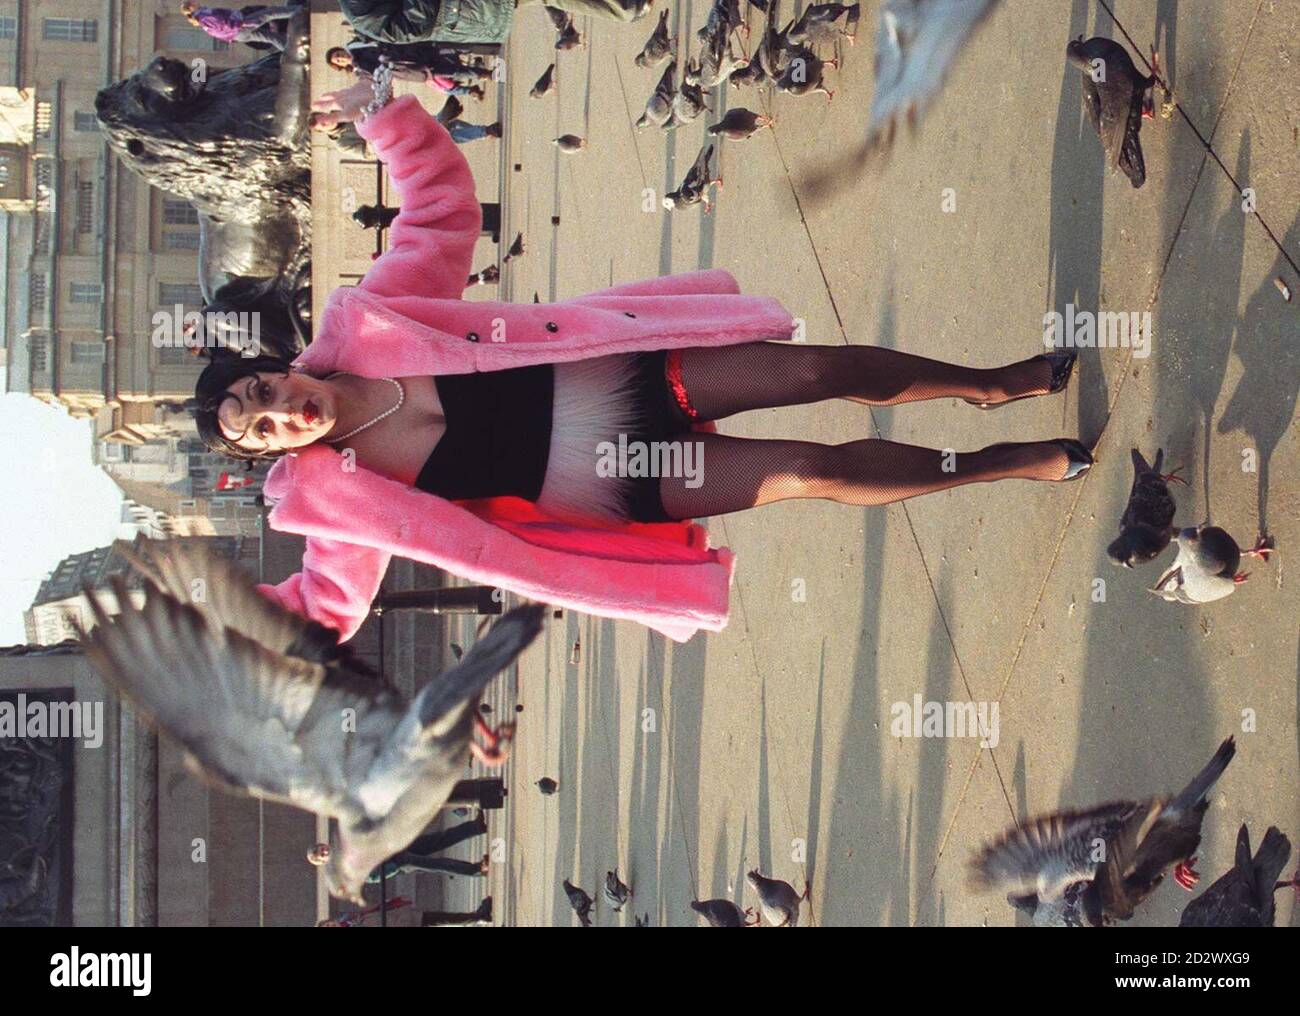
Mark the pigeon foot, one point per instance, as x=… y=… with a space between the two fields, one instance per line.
x=494 y=751
x=1173 y=477
x=1263 y=547
x=1187 y=876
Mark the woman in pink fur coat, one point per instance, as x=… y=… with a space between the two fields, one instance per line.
x=510 y=444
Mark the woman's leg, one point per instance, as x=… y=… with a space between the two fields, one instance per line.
x=445 y=839
x=739 y=473
x=721 y=380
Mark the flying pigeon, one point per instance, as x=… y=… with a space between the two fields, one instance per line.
x=516 y=249
x=545 y=84
x=658 y=46
x=916 y=43
x=547 y=786
x=616 y=893
x=778 y=901
x=818 y=23
x=560 y=19
x=1206 y=567
x=1147 y=525
x=1243 y=897
x=659 y=107
x=1091 y=868
x=579 y=901
x=270 y=704
x=725 y=914
x=642 y=922
x=570 y=143
x=694 y=188
x=739 y=123
x=1117 y=99
x=569 y=38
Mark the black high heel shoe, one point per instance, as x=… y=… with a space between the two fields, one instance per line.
x=1062 y=365
x=1081 y=459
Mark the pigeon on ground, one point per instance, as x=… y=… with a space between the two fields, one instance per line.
x=658 y=46
x=545 y=84
x=803 y=74
x=1091 y=868
x=659 y=107
x=1147 y=525
x=718 y=62
x=643 y=921
x=739 y=123
x=580 y=902
x=516 y=249
x=819 y=23
x=751 y=73
x=1243 y=897
x=570 y=143
x=616 y=893
x=916 y=43
x=695 y=187
x=778 y=901
x=270 y=704
x=1206 y=567
x=570 y=38
x=689 y=102
x=724 y=18
x=547 y=786
x=725 y=914
x=770 y=53
x=1117 y=98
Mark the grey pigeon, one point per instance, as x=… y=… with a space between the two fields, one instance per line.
x=545 y=84
x=1206 y=567
x=1091 y=868
x=579 y=901
x=739 y=123
x=616 y=892
x=689 y=101
x=269 y=704
x=694 y=188
x=1147 y=525
x=724 y=18
x=916 y=43
x=778 y=901
x=751 y=73
x=718 y=62
x=803 y=74
x=547 y=786
x=570 y=143
x=659 y=107
x=1243 y=897
x=819 y=23
x=643 y=921
x=658 y=46
x=770 y=53
x=724 y=914
x=1116 y=97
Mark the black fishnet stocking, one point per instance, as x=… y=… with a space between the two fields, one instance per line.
x=739 y=473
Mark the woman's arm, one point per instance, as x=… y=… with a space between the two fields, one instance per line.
x=431 y=242
x=336 y=586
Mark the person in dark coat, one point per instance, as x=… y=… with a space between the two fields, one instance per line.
x=466 y=22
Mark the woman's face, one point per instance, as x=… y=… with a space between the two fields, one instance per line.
x=278 y=412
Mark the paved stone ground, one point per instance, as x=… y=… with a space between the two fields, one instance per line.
x=770 y=744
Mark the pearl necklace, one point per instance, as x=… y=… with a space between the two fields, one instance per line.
x=401 y=397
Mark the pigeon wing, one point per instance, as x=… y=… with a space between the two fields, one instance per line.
x=1049 y=853
x=253 y=719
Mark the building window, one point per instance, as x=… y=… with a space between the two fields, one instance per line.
x=85 y=206
x=8 y=28
x=83 y=121
x=189 y=294
x=70 y=30
x=39 y=350
x=180 y=240
x=36 y=292
x=179 y=213
x=87 y=292
x=193 y=38
x=87 y=352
